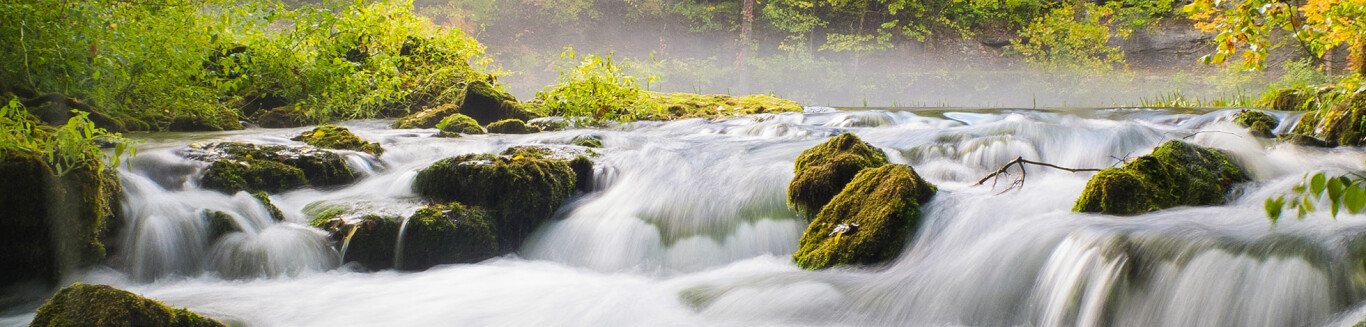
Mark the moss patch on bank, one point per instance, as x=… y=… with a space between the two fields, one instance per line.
x=868 y=222
x=1175 y=174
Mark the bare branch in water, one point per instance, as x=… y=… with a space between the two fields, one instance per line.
x=1018 y=183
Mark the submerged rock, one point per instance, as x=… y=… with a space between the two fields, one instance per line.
x=1175 y=174
x=275 y=213
x=868 y=222
x=1259 y=124
x=335 y=137
x=511 y=126
x=456 y=124
x=270 y=168
x=49 y=224
x=101 y=305
x=520 y=191
x=823 y=170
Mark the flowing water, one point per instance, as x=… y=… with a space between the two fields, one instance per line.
x=688 y=226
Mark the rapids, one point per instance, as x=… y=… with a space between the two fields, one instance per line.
x=688 y=226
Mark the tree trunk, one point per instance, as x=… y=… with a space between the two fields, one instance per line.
x=746 y=20
x=1359 y=58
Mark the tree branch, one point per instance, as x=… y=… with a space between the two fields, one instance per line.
x=1019 y=183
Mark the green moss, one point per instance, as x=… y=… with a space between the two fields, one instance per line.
x=548 y=124
x=877 y=211
x=1291 y=99
x=320 y=168
x=822 y=171
x=587 y=141
x=101 y=305
x=51 y=225
x=372 y=244
x=281 y=117
x=511 y=126
x=459 y=124
x=520 y=192
x=712 y=106
x=275 y=213
x=231 y=176
x=1259 y=124
x=427 y=118
x=220 y=223
x=335 y=137
x=1175 y=174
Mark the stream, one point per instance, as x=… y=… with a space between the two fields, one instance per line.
x=688 y=225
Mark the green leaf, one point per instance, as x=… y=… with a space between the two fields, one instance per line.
x=1273 y=208
x=1317 y=184
x=1354 y=198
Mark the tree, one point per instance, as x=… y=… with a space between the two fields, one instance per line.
x=1248 y=27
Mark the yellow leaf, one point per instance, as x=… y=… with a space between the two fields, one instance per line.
x=318 y=134
x=518 y=157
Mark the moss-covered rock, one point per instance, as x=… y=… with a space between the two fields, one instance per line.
x=456 y=124
x=101 y=305
x=1259 y=124
x=868 y=222
x=822 y=171
x=232 y=176
x=511 y=126
x=520 y=192
x=232 y=169
x=427 y=118
x=1302 y=140
x=1291 y=99
x=275 y=213
x=583 y=173
x=435 y=235
x=219 y=223
x=549 y=124
x=336 y=137
x=281 y=117
x=1175 y=174
x=587 y=141
x=49 y=224
x=1343 y=124
x=486 y=104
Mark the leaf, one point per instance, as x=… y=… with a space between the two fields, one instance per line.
x=1317 y=184
x=1354 y=198
x=1273 y=208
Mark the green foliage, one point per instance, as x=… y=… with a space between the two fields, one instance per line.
x=1249 y=28
x=1071 y=38
x=597 y=90
x=868 y=222
x=1343 y=192
x=75 y=145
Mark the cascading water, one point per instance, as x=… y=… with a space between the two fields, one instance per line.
x=688 y=226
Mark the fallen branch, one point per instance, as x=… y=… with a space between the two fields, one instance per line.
x=1019 y=183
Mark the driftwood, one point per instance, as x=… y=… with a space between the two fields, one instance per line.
x=1019 y=182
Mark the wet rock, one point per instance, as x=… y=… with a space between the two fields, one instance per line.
x=1259 y=124
x=478 y=100
x=1303 y=140
x=101 y=305
x=270 y=168
x=1342 y=124
x=220 y=223
x=1291 y=99
x=549 y=124
x=822 y=171
x=435 y=235
x=583 y=173
x=275 y=213
x=587 y=141
x=521 y=191
x=51 y=225
x=336 y=137
x=868 y=222
x=457 y=124
x=1175 y=174
x=427 y=118
x=511 y=126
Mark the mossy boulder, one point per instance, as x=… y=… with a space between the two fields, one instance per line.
x=336 y=137
x=479 y=100
x=868 y=222
x=519 y=191
x=1291 y=99
x=269 y=168
x=281 y=117
x=232 y=176
x=822 y=171
x=220 y=223
x=511 y=126
x=52 y=225
x=1343 y=124
x=1175 y=174
x=456 y=124
x=101 y=305
x=583 y=173
x=1258 y=123
x=435 y=235
x=587 y=141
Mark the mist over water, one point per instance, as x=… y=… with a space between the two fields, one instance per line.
x=688 y=226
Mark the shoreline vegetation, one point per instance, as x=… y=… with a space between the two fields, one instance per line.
x=74 y=76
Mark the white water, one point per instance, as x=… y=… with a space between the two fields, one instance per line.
x=688 y=227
